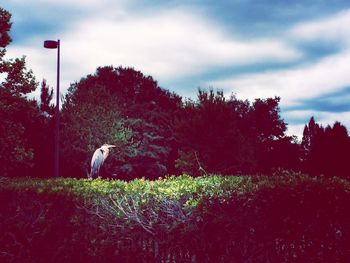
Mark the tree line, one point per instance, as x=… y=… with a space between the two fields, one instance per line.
x=155 y=130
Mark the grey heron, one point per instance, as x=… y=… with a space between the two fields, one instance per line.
x=98 y=158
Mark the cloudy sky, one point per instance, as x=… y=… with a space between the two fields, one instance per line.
x=298 y=50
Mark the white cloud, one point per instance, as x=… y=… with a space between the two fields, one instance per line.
x=334 y=28
x=167 y=44
x=295 y=130
x=327 y=75
x=173 y=44
x=292 y=85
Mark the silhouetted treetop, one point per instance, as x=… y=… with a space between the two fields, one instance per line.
x=220 y=135
x=266 y=119
x=46 y=94
x=17 y=79
x=131 y=101
x=326 y=150
x=5 y=26
x=131 y=87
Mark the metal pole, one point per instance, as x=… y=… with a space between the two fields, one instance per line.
x=57 y=115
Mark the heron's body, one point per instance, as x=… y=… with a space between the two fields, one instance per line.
x=98 y=159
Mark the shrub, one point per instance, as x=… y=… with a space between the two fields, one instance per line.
x=285 y=218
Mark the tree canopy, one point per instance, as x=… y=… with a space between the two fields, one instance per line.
x=18 y=115
x=156 y=132
x=326 y=150
x=229 y=136
x=123 y=107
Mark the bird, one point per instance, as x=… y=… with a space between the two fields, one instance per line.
x=98 y=158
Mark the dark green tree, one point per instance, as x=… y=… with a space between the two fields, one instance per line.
x=91 y=118
x=233 y=136
x=337 y=150
x=210 y=137
x=17 y=79
x=119 y=104
x=18 y=115
x=46 y=94
x=150 y=110
x=326 y=150
x=5 y=26
x=42 y=138
x=15 y=154
x=266 y=131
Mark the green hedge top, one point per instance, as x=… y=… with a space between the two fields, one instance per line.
x=288 y=217
x=182 y=187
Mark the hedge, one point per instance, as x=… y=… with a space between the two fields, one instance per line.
x=287 y=217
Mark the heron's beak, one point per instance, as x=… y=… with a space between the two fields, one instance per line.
x=111 y=145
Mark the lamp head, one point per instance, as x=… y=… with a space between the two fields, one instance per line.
x=52 y=44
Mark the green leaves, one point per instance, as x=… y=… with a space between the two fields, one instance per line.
x=46 y=94
x=230 y=136
x=19 y=80
x=284 y=217
x=120 y=106
x=17 y=114
x=90 y=118
x=5 y=26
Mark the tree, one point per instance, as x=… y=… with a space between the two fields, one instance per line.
x=5 y=26
x=337 y=150
x=18 y=80
x=233 y=136
x=326 y=150
x=135 y=101
x=210 y=138
x=266 y=122
x=17 y=114
x=267 y=131
x=46 y=95
x=91 y=118
x=15 y=155
x=283 y=153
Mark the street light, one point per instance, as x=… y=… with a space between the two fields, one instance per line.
x=52 y=44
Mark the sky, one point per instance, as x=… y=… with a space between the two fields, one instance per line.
x=297 y=50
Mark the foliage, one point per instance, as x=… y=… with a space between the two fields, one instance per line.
x=209 y=134
x=286 y=217
x=25 y=138
x=156 y=133
x=326 y=149
x=46 y=98
x=91 y=118
x=5 y=26
x=14 y=151
x=123 y=107
x=217 y=135
x=21 y=124
x=17 y=79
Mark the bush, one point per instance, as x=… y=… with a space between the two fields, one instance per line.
x=285 y=218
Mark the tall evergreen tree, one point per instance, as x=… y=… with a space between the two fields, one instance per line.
x=326 y=150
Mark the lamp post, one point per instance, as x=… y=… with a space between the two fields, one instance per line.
x=52 y=44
